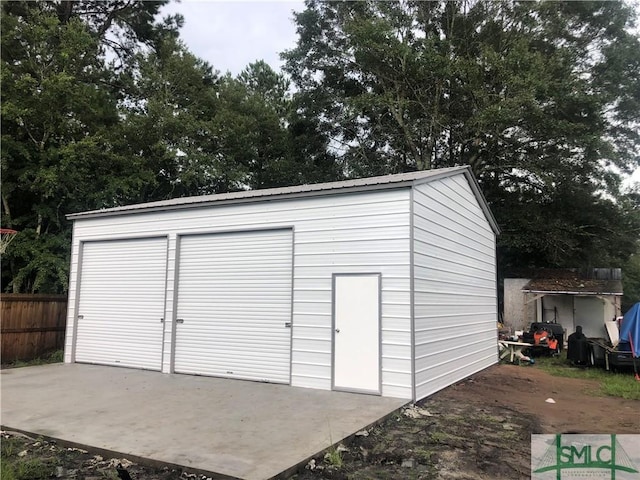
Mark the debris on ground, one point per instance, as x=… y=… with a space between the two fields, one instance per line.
x=46 y=459
x=435 y=439
x=413 y=411
x=478 y=429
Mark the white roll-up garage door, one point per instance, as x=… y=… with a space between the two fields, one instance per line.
x=121 y=305
x=234 y=305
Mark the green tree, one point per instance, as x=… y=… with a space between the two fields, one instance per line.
x=60 y=152
x=167 y=123
x=540 y=98
x=631 y=267
x=104 y=106
x=120 y=26
x=261 y=136
x=250 y=128
x=631 y=282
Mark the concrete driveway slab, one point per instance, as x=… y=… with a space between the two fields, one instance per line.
x=229 y=427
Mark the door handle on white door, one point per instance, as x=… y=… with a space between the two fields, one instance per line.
x=179 y=320
x=337 y=330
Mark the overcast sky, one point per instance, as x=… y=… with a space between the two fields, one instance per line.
x=231 y=34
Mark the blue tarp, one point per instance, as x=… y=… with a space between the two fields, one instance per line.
x=630 y=330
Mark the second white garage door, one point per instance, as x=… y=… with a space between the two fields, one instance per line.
x=234 y=305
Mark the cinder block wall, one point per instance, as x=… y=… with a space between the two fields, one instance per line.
x=516 y=315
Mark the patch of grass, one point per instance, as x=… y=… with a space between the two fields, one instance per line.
x=423 y=456
x=456 y=420
x=334 y=457
x=485 y=419
x=110 y=474
x=508 y=435
x=10 y=447
x=621 y=385
x=334 y=454
x=559 y=367
x=26 y=467
x=438 y=437
x=56 y=356
x=6 y=470
x=33 y=469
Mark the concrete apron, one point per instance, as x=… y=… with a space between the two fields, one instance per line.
x=236 y=428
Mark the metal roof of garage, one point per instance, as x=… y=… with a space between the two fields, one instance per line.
x=316 y=189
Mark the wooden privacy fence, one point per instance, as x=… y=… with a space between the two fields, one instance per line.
x=31 y=325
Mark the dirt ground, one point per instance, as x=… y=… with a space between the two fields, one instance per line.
x=525 y=389
x=477 y=429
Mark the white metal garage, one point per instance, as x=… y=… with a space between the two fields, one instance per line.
x=381 y=285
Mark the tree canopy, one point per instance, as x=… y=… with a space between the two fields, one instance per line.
x=59 y=119
x=524 y=92
x=104 y=105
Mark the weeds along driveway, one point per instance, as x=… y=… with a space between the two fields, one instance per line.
x=230 y=427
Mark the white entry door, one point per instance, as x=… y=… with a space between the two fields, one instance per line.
x=234 y=305
x=121 y=305
x=356 y=333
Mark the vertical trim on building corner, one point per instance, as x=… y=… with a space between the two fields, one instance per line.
x=497 y=290
x=172 y=320
x=412 y=296
x=74 y=338
x=333 y=331
x=293 y=277
x=164 y=302
x=380 y=333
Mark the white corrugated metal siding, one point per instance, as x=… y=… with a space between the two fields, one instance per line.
x=454 y=283
x=121 y=303
x=348 y=233
x=234 y=304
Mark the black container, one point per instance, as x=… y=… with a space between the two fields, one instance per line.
x=578 y=351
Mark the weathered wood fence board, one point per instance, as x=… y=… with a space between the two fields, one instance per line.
x=31 y=325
